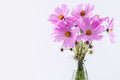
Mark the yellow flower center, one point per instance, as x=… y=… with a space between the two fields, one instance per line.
x=88 y=32
x=60 y=17
x=82 y=13
x=111 y=30
x=67 y=34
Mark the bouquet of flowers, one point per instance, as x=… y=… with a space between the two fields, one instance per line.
x=78 y=30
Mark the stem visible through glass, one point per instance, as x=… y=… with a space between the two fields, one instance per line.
x=81 y=73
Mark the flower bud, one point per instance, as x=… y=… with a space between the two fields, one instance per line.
x=76 y=43
x=71 y=49
x=90 y=46
x=87 y=42
x=90 y=51
x=62 y=49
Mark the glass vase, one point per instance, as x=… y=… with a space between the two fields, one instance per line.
x=80 y=73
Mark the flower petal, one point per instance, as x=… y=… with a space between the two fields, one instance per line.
x=96 y=37
x=98 y=30
x=112 y=36
x=53 y=18
x=59 y=38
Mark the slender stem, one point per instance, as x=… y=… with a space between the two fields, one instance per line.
x=80 y=73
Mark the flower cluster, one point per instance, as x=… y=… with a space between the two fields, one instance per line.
x=81 y=25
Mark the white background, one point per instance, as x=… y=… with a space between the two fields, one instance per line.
x=27 y=51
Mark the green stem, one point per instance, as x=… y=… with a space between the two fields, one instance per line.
x=80 y=73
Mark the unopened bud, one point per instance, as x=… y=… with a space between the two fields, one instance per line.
x=71 y=49
x=76 y=43
x=90 y=51
x=62 y=49
x=90 y=46
x=87 y=42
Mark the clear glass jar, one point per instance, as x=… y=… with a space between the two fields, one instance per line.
x=80 y=72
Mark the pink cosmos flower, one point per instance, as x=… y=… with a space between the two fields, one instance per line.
x=91 y=30
x=110 y=30
x=60 y=14
x=82 y=10
x=64 y=32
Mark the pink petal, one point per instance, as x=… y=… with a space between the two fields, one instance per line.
x=95 y=37
x=71 y=43
x=111 y=24
x=59 y=32
x=80 y=6
x=98 y=30
x=89 y=8
x=76 y=30
x=82 y=37
x=112 y=36
x=65 y=10
x=53 y=18
x=75 y=13
x=76 y=10
x=58 y=10
x=87 y=21
x=95 y=24
x=65 y=43
x=59 y=38
x=58 y=29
